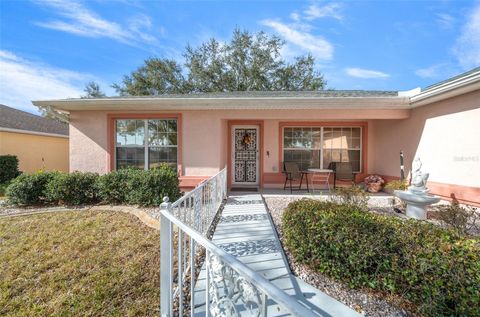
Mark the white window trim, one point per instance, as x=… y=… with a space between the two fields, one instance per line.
x=145 y=141
x=321 y=142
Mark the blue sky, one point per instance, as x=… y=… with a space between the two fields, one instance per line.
x=51 y=49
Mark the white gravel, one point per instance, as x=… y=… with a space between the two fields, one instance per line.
x=362 y=301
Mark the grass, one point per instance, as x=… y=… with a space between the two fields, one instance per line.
x=78 y=263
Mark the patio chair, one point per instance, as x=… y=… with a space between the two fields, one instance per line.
x=342 y=171
x=293 y=173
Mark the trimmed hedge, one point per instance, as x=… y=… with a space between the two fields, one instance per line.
x=113 y=188
x=147 y=188
x=130 y=186
x=30 y=189
x=72 y=189
x=8 y=168
x=437 y=270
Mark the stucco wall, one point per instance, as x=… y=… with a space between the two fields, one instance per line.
x=445 y=135
x=203 y=139
x=88 y=141
x=36 y=152
x=204 y=135
x=271 y=145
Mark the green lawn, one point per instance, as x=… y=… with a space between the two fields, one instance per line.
x=78 y=263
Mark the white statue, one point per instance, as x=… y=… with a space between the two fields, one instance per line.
x=419 y=179
x=417 y=197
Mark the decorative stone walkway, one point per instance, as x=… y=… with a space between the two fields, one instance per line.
x=247 y=232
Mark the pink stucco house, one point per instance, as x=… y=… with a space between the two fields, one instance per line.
x=253 y=133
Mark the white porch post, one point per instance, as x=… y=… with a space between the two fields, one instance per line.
x=165 y=261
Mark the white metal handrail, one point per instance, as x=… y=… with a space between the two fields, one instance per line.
x=228 y=282
x=199 y=207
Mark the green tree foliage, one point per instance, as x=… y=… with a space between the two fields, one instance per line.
x=50 y=113
x=92 y=90
x=8 y=168
x=156 y=77
x=248 y=62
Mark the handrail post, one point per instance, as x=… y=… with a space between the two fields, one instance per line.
x=165 y=260
x=225 y=181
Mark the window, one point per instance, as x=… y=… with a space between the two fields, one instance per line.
x=317 y=147
x=145 y=143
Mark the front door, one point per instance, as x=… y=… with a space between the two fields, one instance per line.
x=245 y=155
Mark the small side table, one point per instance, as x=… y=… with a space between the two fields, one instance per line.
x=322 y=175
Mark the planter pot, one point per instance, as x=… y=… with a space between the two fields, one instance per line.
x=374 y=187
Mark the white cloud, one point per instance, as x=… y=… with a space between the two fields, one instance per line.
x=299 y=34
x=365 y=73
x=8 y=55
x=446 y=21
x=331 y=10
x=307 y=42
x=79 y=20
x=24 y=80
x=438 y=71
x=429 y=72
x=467 y=46
x=295 y=16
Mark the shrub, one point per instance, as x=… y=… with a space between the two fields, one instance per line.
x=3 y=188
x=397 y=185
x=460 y=218
x=72 y=189
x=130 y=186
x=113 y=187
x=147 y=188
x=8 y=168
x=354 y=196
x=29 y=189
x=436 y=269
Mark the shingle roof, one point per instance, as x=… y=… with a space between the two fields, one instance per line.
x=291 y=94
x=277 y=94
x=11 y=118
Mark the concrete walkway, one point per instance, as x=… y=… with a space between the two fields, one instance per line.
x=247 y=232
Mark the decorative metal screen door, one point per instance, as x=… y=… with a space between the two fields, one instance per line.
x=245 y=155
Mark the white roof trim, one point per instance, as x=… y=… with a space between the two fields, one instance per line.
x=33 y=132
x=449 y=89
x=276 y=103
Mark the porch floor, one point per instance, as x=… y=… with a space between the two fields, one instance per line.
x=247 y=232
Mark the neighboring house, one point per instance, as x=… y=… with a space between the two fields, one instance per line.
x=254 y=132
x=38 y=143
